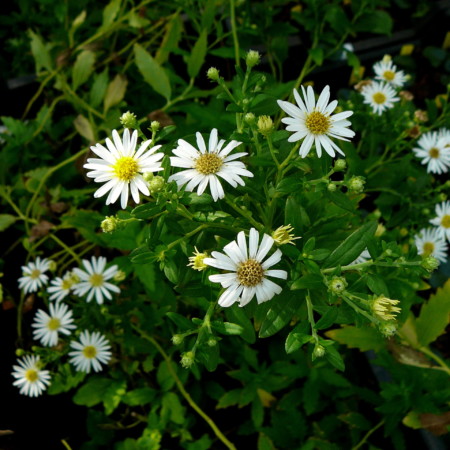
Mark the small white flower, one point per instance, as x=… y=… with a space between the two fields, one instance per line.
x=380 y=96
x=29 y=376
x=444 y=135
x=33 y=275
x=442 y=221
x=48 y=326
x=387 y=71
x=430 y=243
x=314 y=123
x=121 y=167
x=60 y=287
x=94 y=280
x=433 y=152
x=248 y=272
x=362 y=258
x=205 y=165
x=90 y=352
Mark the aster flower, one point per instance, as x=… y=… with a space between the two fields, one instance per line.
x=248 y=271
x=442 y=221
x=380 y=96
x=90 y=352
x=121 y=166
x=433 y=152
x=314 y=123
x=33 y=275
x=385 y=70
x=430 y=242
x=94 y=282
x=444 y=135
x=205 y=165
x=29 y=376
x=48 y=326
x=60 y=287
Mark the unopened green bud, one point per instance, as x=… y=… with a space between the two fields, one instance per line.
x=318 y=352
x=337 y=285
x=331 y=187
x=249 y=118
x=442 y=197
x=109 y=224
x=425 y=211
x=155 y=126
x=213 y=74
x=148 y=176
x=52 y=266
x=340 y=164
x=252 y=59
x=265 y=125
x=356 y=184
x=177 y=339
x=129 y=120
x=404 y=232
x=212 y=342
x=388 y=329
x=430 y=263
x=20 y=352
x=187 y=359
x=119 y=276
x=156 y=184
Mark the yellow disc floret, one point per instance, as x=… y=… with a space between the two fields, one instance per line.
x=31 y=375
x=389 y=75
x=208 y=163
x=125 y=168
x=35 y=274
x=54 y=324
x=434 y=152
x=96 y=279
x=90 y=351
x=379 y=98
x=445 y=222
x=317 y=123
x=250 y=273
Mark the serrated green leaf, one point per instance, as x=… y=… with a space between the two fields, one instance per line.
x=171 y=403
x=113 y=395
x=352 y=247
x=152 y=72
x=92 y=392
x=362 y=338
x=40 y=52
x=434 y=316
x=115 y=91
x=83 y=67
x=197 y=55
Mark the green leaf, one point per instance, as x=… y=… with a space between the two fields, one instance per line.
x=140 y=396
x=113 y=395
x=352 y=247
x=98 y=89
x=226 y=328
x=180 y=321
x=110 y=12
x=317 y=55
x=361 y=338
x=171 y=38
x=146 y=275
x=377 y=285
x=152 y=72
x=171 y=404
x=115 y=91
x=297 y=337
x=40 y=52
x=334 y=358
x=6 y=220
x=92 y=392
x=328 y=318
x=283 y=307
x=237 y=315
x=375 y=22
x=230 y=398
x=308 y=281
x=83 y=67
x=434 y=316
x=84 y=127
x=197 y=55
x=146 y=211
x=341 y=200
x=265 y=443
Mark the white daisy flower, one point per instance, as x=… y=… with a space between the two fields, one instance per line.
x=60 y=287
x=29 y=376
x=91 y=352
x=121 y=167
x=380 y=96
x=48 y=326
x=205 y=165
x=314 y=123
x=433 y=152
x=94 y=280
x=362 y=258
x=248 y=272
x=387 y=71
x=444 y=135
x=33 y=275
x=430 y=243
x=442 y=221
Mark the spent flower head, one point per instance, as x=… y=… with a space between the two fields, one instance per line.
x=109 y=224
x=197 y=260
x=356 y=184
x=283 y=235
x=337 y=285
x=265 y=125
x=129 y=120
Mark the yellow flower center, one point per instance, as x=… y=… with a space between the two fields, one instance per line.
x=96 y=280
x=389 y=75
x=196 y=261
x=250 y=273
x=90 y=351
x=31 y=375
x=66 y=285
x=428 y=248
x=208 y=163
x=35 y=274
x=434 y=152
x=125 y=168
x=317 y=123
x=379 y=98
x=445 y=222
x=53 y=324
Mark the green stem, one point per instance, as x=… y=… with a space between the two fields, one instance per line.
x=436 y=358
x=66 y=248
x=367 y=435
x=373 y=263
x=272 y=150
x=184 y=393
x=311 y=318
x=186 y=236
x=244 y=214
x=359 y=310
x=234 y=32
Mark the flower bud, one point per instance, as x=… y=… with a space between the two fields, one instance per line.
x=249 y=118
x=337 y=285
x=52 y=266
x=119 y=276
x=252 y=59
x=420 y=115
x=177 y=339
x=430 y=263
x=340 y=164
x=318 y=352
x=187 y=359
x=20 y=352
x=109 y=224
x=331 y=187
x=155 y=126
x=156 y=184
x=265 y=125
x=388 y=329
x=404 y=232
x=356 y=184
x=213 y=74
x=442 y=197
x=129 y=120
x=212 y=342
x=148 y=176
